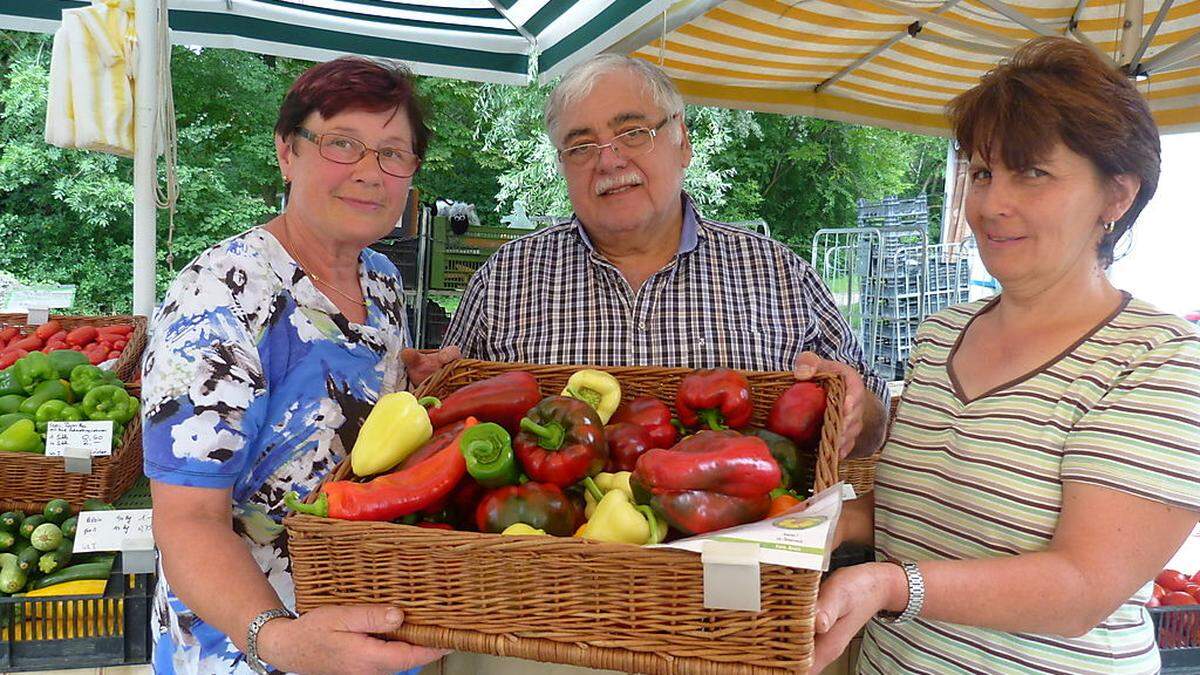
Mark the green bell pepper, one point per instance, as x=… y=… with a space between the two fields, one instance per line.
x=488 y=450
x=109 y=402
x=21 y=437
x=11 y=403
x=33 y=369
x=10 y=419
x=8 y=385
x=64 y=360
x=87 y=377
x=52 y=390
x=55 y=411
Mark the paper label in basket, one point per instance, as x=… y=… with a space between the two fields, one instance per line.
x=800 y=538
x=121 y=530
x=91 y=436
x=37 y=316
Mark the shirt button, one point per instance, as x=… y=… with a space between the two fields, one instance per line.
x=642 y=325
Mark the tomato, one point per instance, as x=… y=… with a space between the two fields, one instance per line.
x=47 y=329
x=1193 y=589
x=1159 y=591
x=1178 y=598
x=30 y=343
x=1171 y=580
x=1153 y=602
x=10 y=356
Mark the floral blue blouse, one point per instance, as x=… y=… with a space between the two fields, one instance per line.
x=254 y=381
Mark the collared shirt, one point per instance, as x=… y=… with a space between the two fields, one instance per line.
x=255 y=382
x=729 y=297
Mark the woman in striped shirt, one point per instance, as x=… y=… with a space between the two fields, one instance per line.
x=1043 y=465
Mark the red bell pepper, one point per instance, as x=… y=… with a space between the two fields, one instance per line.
x=540 y=505
x=561 y=442
x=391 y=495
x=709 y=481
x=798 y=413
x=652 y=415
x=717 y=398
x=626 y=442
x=503 y=399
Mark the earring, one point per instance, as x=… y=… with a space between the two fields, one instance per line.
x=1109 y=226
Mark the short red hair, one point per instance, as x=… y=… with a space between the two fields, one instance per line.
x=353 y=83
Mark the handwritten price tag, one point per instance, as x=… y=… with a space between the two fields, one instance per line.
x=93 y=437
x=113 y=530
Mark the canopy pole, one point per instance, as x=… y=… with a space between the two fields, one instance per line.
x=145 y=118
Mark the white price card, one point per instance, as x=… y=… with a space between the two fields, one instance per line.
x=91 y=436
x=48 y=296
x=112 y=530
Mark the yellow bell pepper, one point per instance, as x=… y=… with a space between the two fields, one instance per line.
x=618 y=519
x=397 y=426
x=606 y=482
x=597 y=389
x=522 y=528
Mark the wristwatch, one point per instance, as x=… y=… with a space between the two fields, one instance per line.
x=256 y=664
x=916 y=595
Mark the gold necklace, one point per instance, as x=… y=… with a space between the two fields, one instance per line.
x=304 y=267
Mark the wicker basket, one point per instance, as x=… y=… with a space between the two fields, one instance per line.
x=131 y=356
x=28 y=481
x=565 y=600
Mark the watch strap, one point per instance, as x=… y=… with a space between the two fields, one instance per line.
x=256 y=664
x=916 y=594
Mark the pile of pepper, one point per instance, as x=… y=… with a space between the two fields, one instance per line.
x=495 y=456
x=40 y=388
x=98 y=344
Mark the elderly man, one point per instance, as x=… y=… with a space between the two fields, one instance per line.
x=638 y=277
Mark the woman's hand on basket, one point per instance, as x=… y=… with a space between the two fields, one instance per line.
x=861 y=410
x=847 y=600
x=337 y=639
x=421 y=365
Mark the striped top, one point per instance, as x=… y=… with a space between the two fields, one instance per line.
x=982 y=479
x=729 y=298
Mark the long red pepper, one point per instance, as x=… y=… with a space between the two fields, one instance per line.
x=391 y=495
x=503 y=399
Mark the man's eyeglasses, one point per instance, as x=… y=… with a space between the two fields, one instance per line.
x=348 y=150
x=627 y=145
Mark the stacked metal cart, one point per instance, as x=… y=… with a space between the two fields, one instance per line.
x=886 y=277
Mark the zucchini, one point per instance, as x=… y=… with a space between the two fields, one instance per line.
x=30 y=524
x=28 y=558
x=7 y=540
x=10 y=521
x=57 y=510
x=57 y=559
x=68 y=527
x=92 y=570
x=12 y=577
x=46 y=537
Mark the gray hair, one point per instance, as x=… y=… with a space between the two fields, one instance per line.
x=578 y=82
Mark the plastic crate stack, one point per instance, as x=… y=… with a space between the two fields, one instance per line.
x=891 y=300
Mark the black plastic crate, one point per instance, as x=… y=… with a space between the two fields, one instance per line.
x=1177 y=632
x=79 y=631
x=403 y=254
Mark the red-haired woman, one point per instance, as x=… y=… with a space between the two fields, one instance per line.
x=267 y=354
x=1043 y=464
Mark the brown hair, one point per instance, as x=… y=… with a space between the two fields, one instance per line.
x=1053 y=89
x=354 y=83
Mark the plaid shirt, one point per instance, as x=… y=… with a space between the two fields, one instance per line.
x=728 y=298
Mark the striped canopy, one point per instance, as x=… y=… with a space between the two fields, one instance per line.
x=507 y=41
x=896 y=63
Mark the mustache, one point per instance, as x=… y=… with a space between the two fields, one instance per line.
x=614 y=182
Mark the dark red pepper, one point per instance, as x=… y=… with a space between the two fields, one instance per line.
x=652 y=415
x=503 y=399
x=716 y=399
x=709 y=481
x=540 y=505
x=798 y=413
x=561 y=442
x=391 y=495
x=626 y=442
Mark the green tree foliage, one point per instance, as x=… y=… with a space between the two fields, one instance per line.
x=66 y=215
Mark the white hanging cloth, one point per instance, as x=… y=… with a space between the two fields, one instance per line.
x=90 y=102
